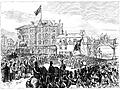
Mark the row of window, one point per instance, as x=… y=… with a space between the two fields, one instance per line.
x=43 y=29
x=46 y=35
x=67 y=43
x=46 y=42
x=63 y=48
x=63 y=52
x=44 y=50
x=39 y=29
x=41 y=42
x=40 y=36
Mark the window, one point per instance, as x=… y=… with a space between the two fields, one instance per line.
x=46 y=50
x=26 y=31
x=53 y=30
x=53 y=41
x=39 y=51
x=65 y=47
x=43 y=36
x=46 y=42
x=46 y=29
x=74 y=40
x=26 y=37
x=42 y=29
x=53 y=36
x=46 y=35
x=70 y=42
x=63 y=43
x=39 y=36
x=60 y=47
x=31 y=30
x=39 y=29
x=39 y=42
x=60 y=41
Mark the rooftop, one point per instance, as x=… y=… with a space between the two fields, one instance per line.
x=44 y=23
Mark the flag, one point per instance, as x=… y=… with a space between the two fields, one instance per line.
x=79 y=42
x=38 y=10
x=76 y=47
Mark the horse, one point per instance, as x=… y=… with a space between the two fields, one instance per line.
x=32 y=82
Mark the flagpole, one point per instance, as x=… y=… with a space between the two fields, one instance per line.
x=40 y=21
x=36 y=26
x=41 y=14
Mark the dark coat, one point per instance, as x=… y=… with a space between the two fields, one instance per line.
x=51 y=70
x=37 y=72
x=6 y=70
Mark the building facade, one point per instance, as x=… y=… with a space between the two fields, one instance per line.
x=7 y=45
x=3 y=44
x=41 y=38
x=67 y=41
x=10 y=43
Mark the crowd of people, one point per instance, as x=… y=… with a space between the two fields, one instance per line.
x=86 y=76
x=99 y=75
x=14 y=69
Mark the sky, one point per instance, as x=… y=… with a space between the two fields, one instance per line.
x=93 y=17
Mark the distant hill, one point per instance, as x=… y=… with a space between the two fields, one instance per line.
x=9 y=34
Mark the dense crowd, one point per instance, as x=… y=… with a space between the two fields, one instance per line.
x=86 y=76
x=14 y=69
x=103 y=75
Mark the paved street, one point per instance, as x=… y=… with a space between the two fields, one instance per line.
x=14 y=84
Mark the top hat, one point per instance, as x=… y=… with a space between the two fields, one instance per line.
x=51 y=62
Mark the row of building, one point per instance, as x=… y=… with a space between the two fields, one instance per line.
x=47 y=37
x=7 y=44
x=40 y=39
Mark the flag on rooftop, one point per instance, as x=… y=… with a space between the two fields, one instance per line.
x=38 y=11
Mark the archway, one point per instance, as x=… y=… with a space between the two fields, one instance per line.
x=103 y=41
x=105 y=52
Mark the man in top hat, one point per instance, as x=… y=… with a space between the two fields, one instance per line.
x=63 y=66
x=51 y=71
x=6 y=71
x=36 y=70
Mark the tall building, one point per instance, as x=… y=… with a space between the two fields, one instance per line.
x=41 y=39
x=10 y=43
x=7 y=45
x=3 y=44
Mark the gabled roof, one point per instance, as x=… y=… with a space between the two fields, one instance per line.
x=24 y=27
x=49 y=23
x=44 y=23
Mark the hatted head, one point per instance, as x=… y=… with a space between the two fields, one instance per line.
x=51 y=62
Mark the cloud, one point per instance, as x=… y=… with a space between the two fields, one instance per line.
x=9 y=34
x=17 y=16
x=99 y=25
x=91 y=16
x=91 y=10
